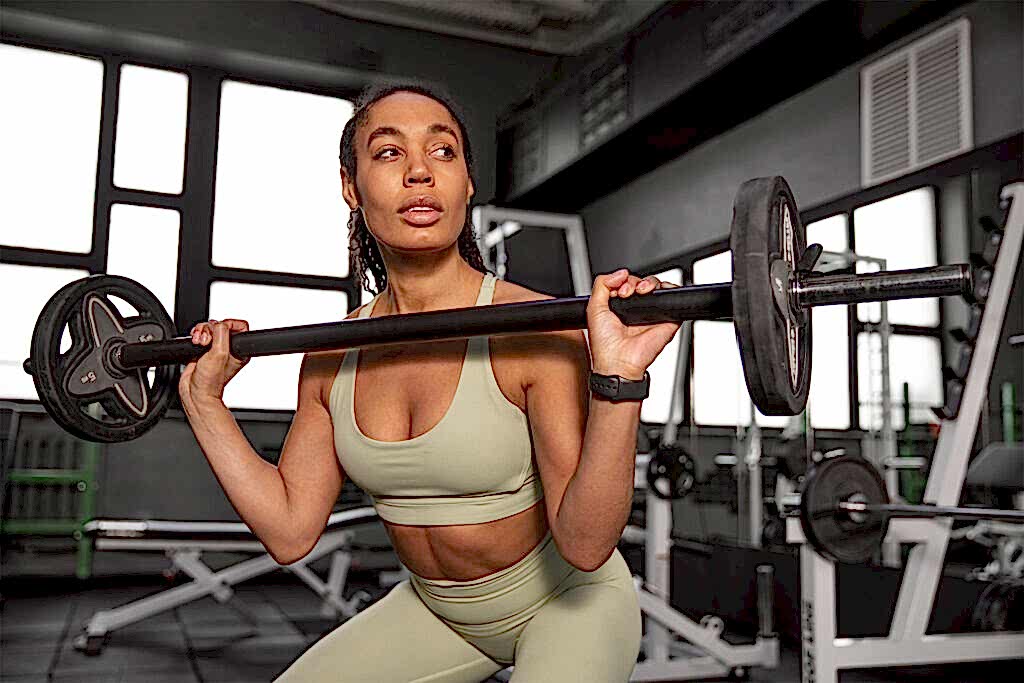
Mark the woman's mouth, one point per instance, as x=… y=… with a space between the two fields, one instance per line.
x=423 y=210
x=421 y=215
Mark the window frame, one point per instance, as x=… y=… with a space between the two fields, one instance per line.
x=195 y=269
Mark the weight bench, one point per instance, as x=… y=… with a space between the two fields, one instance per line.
x=185 y=542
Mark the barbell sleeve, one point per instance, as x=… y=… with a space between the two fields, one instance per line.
x=919 y=511
x=825 y=290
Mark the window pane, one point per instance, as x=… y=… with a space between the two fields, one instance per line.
x=271 y=382
x=901 y=230
x=663 y=370
x=829 y=400
x=152 y=113
x=144 y=246
x=912 y=359
x=719 y=390
x=713 y=269
x=34 y=285
x=278 y=199
x=49 y=134
x=830 y=233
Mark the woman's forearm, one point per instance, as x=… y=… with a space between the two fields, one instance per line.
x=253 y=485
x=598 y=498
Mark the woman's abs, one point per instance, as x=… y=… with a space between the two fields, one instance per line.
x=468 y=551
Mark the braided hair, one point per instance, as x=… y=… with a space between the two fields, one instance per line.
x=363 y=247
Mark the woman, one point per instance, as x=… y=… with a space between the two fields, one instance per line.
x=502 y=483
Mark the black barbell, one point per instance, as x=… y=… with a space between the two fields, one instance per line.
x=769 y=300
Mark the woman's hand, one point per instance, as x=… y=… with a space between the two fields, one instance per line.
x=618 y=349
x=206 y=378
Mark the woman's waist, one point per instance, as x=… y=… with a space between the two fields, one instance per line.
x=467 y=552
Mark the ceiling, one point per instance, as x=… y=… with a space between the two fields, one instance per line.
x=555 y=27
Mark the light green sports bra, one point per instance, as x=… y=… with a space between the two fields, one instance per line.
x=475 y=465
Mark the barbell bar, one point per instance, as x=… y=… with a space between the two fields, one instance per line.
x=769 y=300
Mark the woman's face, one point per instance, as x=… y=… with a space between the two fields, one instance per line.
x=411 y=180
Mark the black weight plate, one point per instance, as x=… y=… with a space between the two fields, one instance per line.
x=71 y=383
x=671 y=472
x=774 y=340
x=836 y=534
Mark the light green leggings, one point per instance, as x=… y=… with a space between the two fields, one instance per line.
x=551 y=620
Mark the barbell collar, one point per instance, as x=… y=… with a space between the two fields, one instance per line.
x=701 y=302
x=826 y=290
x=923 y=511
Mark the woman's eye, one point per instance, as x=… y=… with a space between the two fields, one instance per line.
x=386 y=153
x=445 y=152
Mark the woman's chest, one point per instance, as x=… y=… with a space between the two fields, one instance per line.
x=403 y=393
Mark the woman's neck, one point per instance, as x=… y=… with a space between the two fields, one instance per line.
x=417 y=287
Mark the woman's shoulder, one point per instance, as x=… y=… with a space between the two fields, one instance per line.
x=560 y=346
x=509 y=292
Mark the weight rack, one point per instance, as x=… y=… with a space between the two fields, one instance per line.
x=907 y=644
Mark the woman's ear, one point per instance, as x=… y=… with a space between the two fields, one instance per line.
x=470 y=191
x=348 y=190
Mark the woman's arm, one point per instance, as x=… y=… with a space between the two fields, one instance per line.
x=586 y=446
x=286 y=505
x=585 y=450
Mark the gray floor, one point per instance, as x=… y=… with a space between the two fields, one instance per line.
x=209 y=642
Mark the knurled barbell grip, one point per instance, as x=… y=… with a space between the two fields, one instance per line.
x=920 y=511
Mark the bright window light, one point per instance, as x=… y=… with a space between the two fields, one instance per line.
x=278 y=203
x=901 y=230
x=713 y=269
x=34 y=286
x=830 y=233
x=719 y=390
x=914 y=359
x=829 y=400
x=152 y=114
x=655 y=409
x=144 y=247
x=49 y=137
x=271 y=382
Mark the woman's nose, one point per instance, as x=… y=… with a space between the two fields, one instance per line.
x=418 y=171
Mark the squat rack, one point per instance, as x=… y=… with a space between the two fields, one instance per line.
x=907 y=643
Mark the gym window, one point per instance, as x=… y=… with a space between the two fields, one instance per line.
x=915 y=351
x=152 y=115
x=278 y=204
x=663 y=370
x=50 y=141
x=143 y=245
x=271 y=382
x=34 y=286
x=719 y=391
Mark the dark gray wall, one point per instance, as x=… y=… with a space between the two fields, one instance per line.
x=812 y=139
x=271 y=39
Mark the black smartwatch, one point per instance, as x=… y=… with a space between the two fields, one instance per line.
x=615 y=388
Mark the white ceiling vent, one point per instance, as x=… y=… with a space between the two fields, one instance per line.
x=916 y=105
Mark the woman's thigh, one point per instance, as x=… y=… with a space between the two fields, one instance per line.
x=588 y=633
x=395 y=640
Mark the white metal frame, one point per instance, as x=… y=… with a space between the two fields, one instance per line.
x=185 y=555
x=824 y=654
x=510 y=221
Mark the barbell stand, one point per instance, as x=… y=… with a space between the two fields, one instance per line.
x=907 y=643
